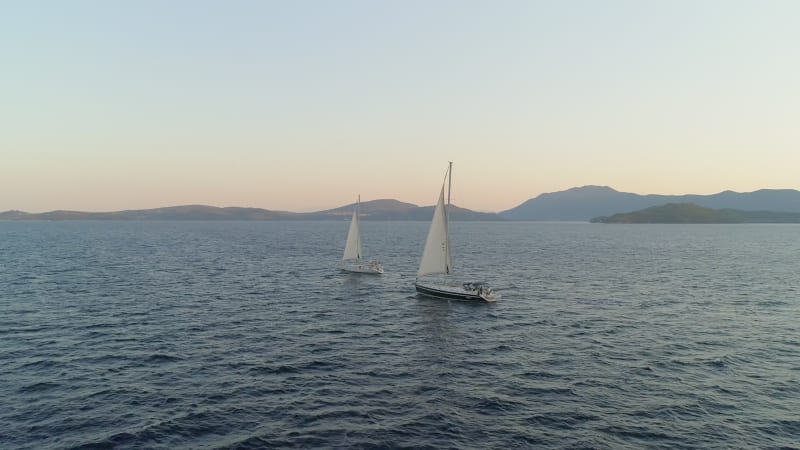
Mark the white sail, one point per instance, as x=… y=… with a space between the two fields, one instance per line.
x=436 y=256
x=352 y=250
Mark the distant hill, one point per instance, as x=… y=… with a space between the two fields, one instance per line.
x=12 y=215
x=370 y=210
x=586 y=202
x=691 y=213
x=386 y=209
x=186 y=212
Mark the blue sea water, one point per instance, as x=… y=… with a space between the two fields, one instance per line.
x=244 y=335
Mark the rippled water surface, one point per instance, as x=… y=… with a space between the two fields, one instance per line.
x=244 y=335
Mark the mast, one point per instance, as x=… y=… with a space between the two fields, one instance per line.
x=449 y=181
x=447 y=219
x=358 y=221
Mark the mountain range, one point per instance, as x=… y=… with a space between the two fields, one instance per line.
x=385 y=209
x=587 y=202
x=576 y=204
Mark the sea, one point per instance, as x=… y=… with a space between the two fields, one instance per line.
x=241 y=335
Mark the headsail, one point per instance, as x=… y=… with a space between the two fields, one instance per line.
x=436 y=256
x=352 y=250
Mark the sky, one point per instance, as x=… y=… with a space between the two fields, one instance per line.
x=303 y=105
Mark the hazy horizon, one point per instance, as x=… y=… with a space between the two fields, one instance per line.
x=302 y=106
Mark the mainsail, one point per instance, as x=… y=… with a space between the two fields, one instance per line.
x=352 y=250
x=436 y=256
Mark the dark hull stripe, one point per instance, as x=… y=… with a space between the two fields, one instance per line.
x=438 y=293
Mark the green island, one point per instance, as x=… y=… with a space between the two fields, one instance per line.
x=691 y=213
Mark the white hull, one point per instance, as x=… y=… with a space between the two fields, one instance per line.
x=363 y=267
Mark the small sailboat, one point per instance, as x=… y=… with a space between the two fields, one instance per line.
x=436 y=259
x=352 y=261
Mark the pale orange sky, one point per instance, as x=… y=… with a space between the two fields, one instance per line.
x=281 y=107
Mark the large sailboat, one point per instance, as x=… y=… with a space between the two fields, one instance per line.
x=352 y=260
x=436 y=259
